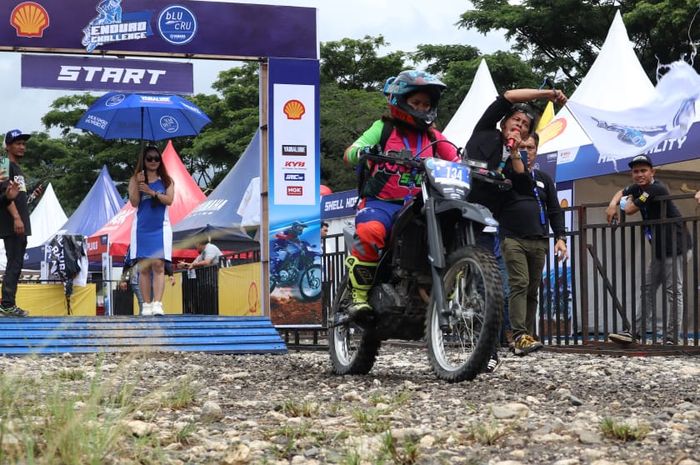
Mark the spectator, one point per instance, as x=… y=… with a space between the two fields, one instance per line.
x=413 y=98
x=130 y=275
x=669 y=243
x=151 y=191
x=209 y=254
x=8 y=192
x=14 y=222
x=498 y=147
x=324 y=230
x=697 y=196
x=524 y=225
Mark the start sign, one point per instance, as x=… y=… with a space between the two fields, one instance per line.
x=107 y=74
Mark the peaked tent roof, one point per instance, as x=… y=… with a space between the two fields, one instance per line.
x=615 y=81
x=481 y=94
x=187 y=196
x=46 y=219
x=233 y=205
x=100 y=204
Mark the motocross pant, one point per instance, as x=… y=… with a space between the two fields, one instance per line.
x=373 y=224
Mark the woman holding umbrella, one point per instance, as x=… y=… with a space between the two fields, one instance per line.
x=151 y=191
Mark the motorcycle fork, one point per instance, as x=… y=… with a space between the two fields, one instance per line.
x=436 y=258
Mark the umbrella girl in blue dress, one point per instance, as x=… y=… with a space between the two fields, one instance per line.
x=151 y=191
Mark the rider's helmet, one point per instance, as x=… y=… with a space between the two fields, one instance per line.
x=297 y=227
x=523 y=108
x=398 y=89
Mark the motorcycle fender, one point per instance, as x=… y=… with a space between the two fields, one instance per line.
x=471 y=211
x=436 y=256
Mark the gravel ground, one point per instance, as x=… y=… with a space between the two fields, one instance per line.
x=546 y=408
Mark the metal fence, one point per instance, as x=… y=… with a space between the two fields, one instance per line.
x=596 y=291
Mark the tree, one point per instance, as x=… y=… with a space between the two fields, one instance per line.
x=568 y=34
x=355 y=64
x=345 y=115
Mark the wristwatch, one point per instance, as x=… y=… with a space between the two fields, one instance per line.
x=516 y=156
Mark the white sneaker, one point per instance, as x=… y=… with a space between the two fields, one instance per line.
x=147 y=309
x=158 y=309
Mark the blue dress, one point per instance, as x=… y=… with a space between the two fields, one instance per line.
x=151 y=233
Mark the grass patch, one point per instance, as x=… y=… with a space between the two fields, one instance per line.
x=71 y=374
x=182 y=395
x=371 y=421
x=299 y=409
x=486 y=433
x=623 y=431
x=406 y=453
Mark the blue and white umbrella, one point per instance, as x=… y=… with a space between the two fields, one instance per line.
x=118 y=115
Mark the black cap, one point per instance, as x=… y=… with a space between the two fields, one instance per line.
x=641 y=159
x=15 y=135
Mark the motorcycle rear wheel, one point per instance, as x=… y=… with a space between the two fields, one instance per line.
x=353 y=349
x=474 y=302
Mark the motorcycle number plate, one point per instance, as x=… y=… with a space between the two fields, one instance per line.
x=449 y=173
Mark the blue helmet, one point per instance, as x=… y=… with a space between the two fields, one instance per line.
x=398 y=89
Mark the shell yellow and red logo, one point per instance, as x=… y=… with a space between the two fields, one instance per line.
x=552 y=130
x=29 y=19
x=294 y=109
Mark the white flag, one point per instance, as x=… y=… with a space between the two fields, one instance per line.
x=633 y=131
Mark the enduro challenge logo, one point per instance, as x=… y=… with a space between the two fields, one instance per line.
x=112 y=25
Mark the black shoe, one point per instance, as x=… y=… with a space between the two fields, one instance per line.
x=13 y=311
x=624 y=337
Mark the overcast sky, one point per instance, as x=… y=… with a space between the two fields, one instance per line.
x=404 y=24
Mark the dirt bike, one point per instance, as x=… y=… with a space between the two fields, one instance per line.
x=301 y=268
x=432 y=280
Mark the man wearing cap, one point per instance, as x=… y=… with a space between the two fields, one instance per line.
x=14 y=225
x=668 y=243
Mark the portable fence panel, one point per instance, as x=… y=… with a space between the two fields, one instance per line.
x=597 y=290
x=200 y=291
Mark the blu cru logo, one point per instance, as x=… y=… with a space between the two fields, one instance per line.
x=177 y=25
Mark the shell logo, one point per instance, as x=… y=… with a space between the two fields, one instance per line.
x=294 y=109
x=29 y=19
x=552 y=130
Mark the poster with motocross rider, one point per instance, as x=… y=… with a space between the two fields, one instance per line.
x=294 y=199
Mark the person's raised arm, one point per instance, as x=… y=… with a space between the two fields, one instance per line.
x=525 y=95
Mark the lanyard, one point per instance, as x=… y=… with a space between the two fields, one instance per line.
x=543 y=220
x=414 y=170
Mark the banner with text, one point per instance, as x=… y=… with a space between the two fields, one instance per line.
x=294 y=180
x=106 y=74
x=159 y=27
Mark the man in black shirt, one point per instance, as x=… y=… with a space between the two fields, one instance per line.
x=524 y=223
x=669 y=243
x=14 y=225
x=495 y=141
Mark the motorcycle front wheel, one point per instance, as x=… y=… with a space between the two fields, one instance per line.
x=310 y=283
x=473 y=294
x=353 y=349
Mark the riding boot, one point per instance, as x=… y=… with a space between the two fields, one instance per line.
x=361 y=277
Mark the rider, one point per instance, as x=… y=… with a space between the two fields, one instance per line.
x=412 y=98
x=287 y=243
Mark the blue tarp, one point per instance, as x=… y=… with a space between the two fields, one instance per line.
x=100 y=204
x=218 y=217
